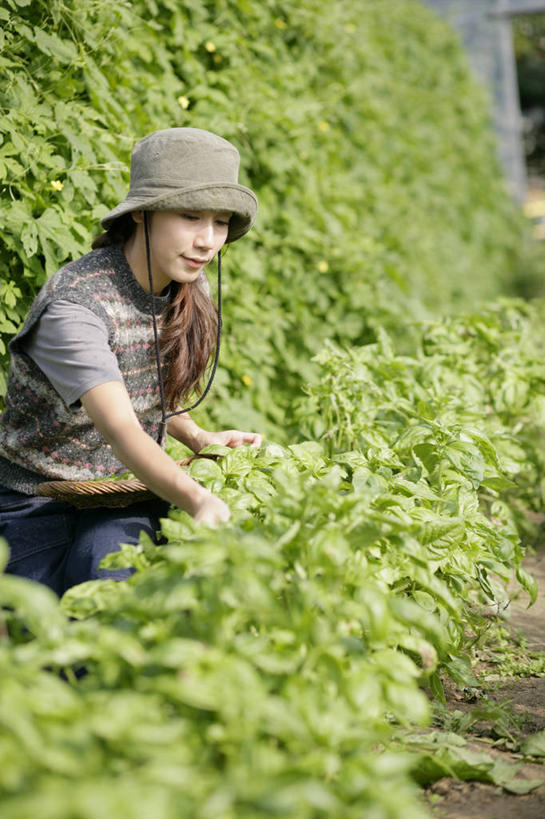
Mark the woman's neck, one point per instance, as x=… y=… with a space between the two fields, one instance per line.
x=135 y=254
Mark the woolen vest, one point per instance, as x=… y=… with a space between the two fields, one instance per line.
x=40 y=437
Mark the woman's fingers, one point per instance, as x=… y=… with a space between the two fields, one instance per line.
x=212 y=510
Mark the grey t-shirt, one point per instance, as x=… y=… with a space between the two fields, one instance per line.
x=70 y=345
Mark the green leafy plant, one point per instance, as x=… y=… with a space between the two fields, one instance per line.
x=267 y=667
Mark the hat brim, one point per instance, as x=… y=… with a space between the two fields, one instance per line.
x=221 y=196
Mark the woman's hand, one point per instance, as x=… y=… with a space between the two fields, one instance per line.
x=233 y=438
x=184 y=429
x=211 y=510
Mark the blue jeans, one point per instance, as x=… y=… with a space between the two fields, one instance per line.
x=58 y=545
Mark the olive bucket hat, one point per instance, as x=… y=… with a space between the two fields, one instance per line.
x=179 y=168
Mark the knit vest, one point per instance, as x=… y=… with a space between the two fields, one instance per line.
x=40 y=437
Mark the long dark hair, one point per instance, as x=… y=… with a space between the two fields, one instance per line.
x=187 y=330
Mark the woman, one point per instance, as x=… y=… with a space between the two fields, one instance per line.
x=111 y=342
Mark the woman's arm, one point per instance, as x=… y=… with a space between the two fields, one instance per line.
x=111 y=411
x=184 y=429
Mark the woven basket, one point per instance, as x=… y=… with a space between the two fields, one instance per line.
x=110 y=493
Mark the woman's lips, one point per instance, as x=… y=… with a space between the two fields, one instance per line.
x=195 y=262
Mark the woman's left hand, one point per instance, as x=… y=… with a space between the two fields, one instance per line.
x=233 y=438
x=184 y=429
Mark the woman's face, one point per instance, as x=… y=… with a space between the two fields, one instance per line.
x=183 y=242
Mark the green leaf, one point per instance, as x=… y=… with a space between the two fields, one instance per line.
x=498 y=482
x=534 y=745
x=52 y=45
x=521 y=786
x=207 y=472
x=215 y=449
x=4 y=554
x=426 y=453
x=35 y=605
x=468 y=459
x=29 y=238
x=528 y=583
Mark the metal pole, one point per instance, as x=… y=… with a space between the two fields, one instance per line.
x=511 y=119
x=513 y=8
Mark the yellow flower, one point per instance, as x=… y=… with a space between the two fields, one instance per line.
x=323 y=266
x=247 y=380
x=210 y=47
x=535 y=208
x=184 y=102
x=57 y=185
x=217 y=58
x=350 y=28
x=324 y=126
x=281 y=24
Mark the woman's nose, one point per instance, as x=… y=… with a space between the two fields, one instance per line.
x=204 y=236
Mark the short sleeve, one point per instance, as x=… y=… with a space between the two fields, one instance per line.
x=70 y=345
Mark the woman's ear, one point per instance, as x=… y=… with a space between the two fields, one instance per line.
x=137 y=216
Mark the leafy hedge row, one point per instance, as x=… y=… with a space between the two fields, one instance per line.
x=359 y=127
x=265 y=668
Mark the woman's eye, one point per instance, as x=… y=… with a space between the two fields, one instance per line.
x=191 y=216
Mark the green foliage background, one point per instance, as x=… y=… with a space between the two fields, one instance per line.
x=360 y=129
x=273 y=666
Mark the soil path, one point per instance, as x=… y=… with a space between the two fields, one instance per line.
x=476 y=800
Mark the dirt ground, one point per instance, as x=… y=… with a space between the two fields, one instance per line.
x=475 y=800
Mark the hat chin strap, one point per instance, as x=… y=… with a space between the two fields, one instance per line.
x=164 y=415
